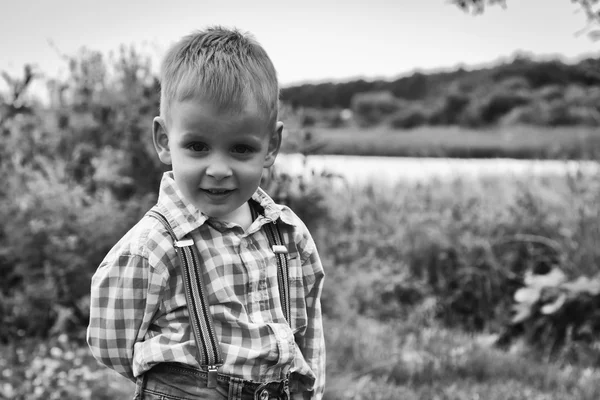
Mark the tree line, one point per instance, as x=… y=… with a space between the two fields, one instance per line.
x=520 y=91
x=423 y=86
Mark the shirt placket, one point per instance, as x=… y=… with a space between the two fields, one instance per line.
x=257 y=279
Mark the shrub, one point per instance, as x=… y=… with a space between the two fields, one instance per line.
x=498 y=104
x=371 y=108
x=55 y=236
x=550 y=93
x=68 y=195
x=531 y=114
x=410 y=117
x=557 y=316
x=306 y=195
x=450 y=109
x=515 y=83
x=585 y=116
x=555 y=113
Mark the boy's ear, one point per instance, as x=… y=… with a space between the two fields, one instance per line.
x=274 y=145
x=161 y=140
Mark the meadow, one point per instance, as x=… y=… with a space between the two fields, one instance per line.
x=420 y=284
x=448 y=289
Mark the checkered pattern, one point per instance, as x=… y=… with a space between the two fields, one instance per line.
x=139 y=316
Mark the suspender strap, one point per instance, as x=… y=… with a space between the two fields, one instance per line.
x=209 y=352
x=276 y=242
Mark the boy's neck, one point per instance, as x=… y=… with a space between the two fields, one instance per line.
x=242 y=216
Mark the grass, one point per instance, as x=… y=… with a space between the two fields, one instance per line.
x=57 y=369
x=375 y=360
x=509 y=141
x=367 y=359
x=380 y=242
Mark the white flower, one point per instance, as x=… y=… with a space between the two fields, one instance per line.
x=56 y=352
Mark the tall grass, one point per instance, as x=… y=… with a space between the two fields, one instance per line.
x=401 y=360
x=419 y=284
x=421 y=278
x=466 y=242
x=525 y=142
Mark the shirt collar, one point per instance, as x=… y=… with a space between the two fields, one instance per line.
x=272 y=210
x=184 y=217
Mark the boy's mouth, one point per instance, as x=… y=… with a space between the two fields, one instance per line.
x=217 y=192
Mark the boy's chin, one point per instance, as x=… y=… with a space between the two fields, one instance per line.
x=225 y=214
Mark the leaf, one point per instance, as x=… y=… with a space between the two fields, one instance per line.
x=527 y=295
x=523 y=311
x=553 y=278
x=551 y=308
x=583 y=285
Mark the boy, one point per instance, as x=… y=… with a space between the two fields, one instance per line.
x=218 y=130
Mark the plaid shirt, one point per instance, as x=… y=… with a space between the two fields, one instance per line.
x=139 y=316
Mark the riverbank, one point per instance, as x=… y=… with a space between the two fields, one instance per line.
x=520 y=142
x=388 y=171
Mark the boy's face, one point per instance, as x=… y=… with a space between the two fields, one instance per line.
x=217 y=157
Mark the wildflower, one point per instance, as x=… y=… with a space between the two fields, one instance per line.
x=56 y=352
x=63 y=339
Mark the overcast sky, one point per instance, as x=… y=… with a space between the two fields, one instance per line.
x=308 y=40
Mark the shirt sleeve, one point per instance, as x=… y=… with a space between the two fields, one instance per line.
x=312 y=342
x=125 y=295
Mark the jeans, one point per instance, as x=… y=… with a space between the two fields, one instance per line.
x=172 y=381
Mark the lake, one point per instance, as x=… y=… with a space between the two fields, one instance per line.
x=390 y=170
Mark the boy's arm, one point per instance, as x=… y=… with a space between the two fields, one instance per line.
x=124 y=297
x=312 y=342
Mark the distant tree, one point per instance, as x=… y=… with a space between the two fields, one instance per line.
x=371 y=108
x=591 y=8
x=409 y=117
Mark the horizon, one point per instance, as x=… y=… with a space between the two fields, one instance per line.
x=500 y=60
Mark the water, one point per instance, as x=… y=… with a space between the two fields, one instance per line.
x=390 y=170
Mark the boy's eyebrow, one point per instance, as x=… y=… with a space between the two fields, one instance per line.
x=192 y=135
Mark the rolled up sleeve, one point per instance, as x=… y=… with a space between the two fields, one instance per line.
x=124 y=297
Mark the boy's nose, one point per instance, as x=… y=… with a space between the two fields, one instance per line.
x=218 y=169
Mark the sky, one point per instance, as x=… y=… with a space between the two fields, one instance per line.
x=308 y=40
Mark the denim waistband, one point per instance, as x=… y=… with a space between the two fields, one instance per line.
x=175 y=376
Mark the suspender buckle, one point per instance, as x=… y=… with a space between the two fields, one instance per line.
x=211 y=381
x=184 y=243
x=279 y=249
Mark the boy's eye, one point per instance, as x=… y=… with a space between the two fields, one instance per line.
x=197 y=147
x=242 y=149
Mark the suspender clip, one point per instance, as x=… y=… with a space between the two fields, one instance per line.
x=211 y=381
x=277 y=248
x=184 y=243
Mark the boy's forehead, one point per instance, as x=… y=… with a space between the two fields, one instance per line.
x=210 y=105
x=199 y=111
x=221 y=105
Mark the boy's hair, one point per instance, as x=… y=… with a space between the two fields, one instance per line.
x=225 y=66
